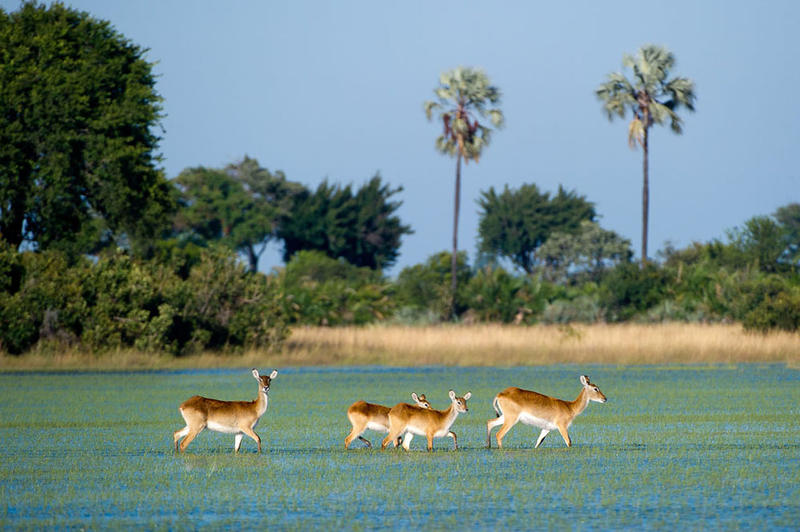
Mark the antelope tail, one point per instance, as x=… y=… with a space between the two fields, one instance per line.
x=496 y=406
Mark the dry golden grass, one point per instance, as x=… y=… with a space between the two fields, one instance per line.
x=490 y=345
x=512 y=345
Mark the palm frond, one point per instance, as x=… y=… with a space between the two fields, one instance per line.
x=635 y=133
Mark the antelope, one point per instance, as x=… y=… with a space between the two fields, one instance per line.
x=409 y=419
x=363 y=416
x=547 y=413
x=231 y=417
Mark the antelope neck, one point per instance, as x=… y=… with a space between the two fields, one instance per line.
x=580 y=402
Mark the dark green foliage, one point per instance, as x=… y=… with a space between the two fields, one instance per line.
x=359 y=227
x=42 y=299
x=515 y=223
x=320 y=290
x=224 y=305
x=239 y=206
x=631 y=288
x=495 y=295
x=123 y=302
x=77 y=144
x=427 y=286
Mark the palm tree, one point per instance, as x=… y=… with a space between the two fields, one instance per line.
x=463 y=95
x=653 y=99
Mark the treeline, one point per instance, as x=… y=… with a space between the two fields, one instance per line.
x=195 y=299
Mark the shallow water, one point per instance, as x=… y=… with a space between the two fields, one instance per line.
x=682 y=446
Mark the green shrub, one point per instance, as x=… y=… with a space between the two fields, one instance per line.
x=42 y=300
x=121 y=302
x=319 y=290
x=426 y=287
x=495 y=295
x=630 y=289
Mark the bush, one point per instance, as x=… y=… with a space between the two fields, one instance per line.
x=630 y=289
x=320 y=290
x=426 y=287
x=582 y=309
x=495 y=295
x=41 y=299
x=781 y=311
x=121 y=302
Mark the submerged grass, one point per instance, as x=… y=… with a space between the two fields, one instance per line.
x=682 y=446
x=466 y=345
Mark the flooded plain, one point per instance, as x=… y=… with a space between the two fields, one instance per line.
x=679 y=446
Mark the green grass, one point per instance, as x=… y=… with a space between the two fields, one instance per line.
x=675 y=447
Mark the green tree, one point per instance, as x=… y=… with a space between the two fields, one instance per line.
x=77 y=144
x=515 y=223
x=360 y=227
x=463 y=95
x=240 y=206
x=789 y=217
x=585 y=253
x=761 y=243
x=652 y=98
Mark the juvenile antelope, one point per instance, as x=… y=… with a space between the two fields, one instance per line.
x=547 y=413
x=363 y=416
x=231 y=417
x=409 y=419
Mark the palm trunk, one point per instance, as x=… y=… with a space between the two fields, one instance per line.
x=453 y=258
x=645 y=196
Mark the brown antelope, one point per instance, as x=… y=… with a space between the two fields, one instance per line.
x=363 y=416
x=409 y=419
x=547 y=413
x=231 y=417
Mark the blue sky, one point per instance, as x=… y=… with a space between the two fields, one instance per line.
x=323 y=89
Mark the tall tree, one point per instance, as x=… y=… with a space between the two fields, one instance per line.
x=77 y=136
x=360 y=227
x=463 y=95
x=240 y=205
x=274 y=196
x=652 y=98
x=514 y=223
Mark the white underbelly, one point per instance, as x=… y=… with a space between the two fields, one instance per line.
x=420 y=431
x=537 y=422
x=216 y=427
x=380 y=427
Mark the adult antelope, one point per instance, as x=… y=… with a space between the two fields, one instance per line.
x=410 y=419
x=231 y=417
x=363 y=416
x=547 y=413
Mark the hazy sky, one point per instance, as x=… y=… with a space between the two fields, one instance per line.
x=334 y=89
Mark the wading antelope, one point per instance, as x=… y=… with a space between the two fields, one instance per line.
x=363 y=416
x=409 y=419
x=230 y=417
x=547 y=413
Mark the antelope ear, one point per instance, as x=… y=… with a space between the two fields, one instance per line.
x=584 y=380
x=414 y=396
x=255 y=373
x=452 y=395
x=273 y=374
x=467 y=396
